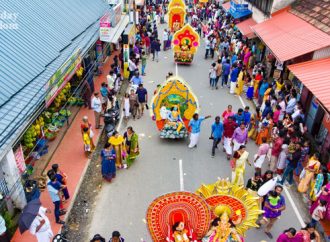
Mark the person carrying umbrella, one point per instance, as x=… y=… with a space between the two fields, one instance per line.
x=34 y=219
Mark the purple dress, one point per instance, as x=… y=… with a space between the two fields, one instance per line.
x=327 y=199
x=273 y=214
x=284 y=238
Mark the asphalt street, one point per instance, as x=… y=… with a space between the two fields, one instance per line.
x=122 y=204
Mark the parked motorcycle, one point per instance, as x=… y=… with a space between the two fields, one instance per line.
x=111 y=118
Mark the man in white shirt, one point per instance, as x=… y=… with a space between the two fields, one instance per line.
x=291 y=103
x=132 y=68
x=40 y=226
x=213 y=43
x=207 y=46
x=282 y=104
x=3 y=229
x=165 y=39
x=110 y=79
x=97 y=108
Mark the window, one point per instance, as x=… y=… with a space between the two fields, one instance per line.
x=263 y=5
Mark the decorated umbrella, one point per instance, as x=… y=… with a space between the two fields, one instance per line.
x=29 y=213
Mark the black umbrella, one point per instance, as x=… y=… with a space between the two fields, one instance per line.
x=29 y=213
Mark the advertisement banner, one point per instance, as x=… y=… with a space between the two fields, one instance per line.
x=105 y=28
x=236 y=7
x=116 y=15
x=126 y=58
x=62 y=76
x=20 y=162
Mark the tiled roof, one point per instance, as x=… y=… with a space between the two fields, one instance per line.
x=315 y=75
x=315 y=12
x=288 y=36
x=48 y=34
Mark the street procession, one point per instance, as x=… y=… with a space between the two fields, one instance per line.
x=165 y=121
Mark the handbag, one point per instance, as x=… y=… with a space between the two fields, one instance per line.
x=147 y=106
x=87 y=148
x=232 y=163
x=91 y=133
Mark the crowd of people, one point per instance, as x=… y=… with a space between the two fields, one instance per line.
x=276 y=125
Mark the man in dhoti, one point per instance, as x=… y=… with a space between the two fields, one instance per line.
x=233 y=78
x=40 y=226
x=229 y=127
x=195 y=125
x=260 y=157
x=240 y=136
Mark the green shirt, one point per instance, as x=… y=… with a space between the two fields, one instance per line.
x=144 y=59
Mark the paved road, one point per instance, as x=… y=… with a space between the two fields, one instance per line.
x=122 y=204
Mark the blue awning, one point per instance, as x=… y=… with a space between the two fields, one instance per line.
x=242 y=14
x=239 y=10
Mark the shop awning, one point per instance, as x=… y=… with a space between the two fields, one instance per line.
x=239 y=14
x=315 y=75
x=119 y=29
x=245 y=28
x=288 y=36
x=226 y=6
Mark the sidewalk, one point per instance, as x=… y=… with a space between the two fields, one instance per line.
x=71 y=159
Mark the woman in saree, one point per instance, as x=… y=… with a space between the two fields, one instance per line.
x=117 y=142
x=238 y=165
x=265 y=129
x=108 y=156
x=240 y=82
x=86 y=124
x=320 y=180
x=311 y=169
x=132 y=145
x=254 y=124
x=309 y=234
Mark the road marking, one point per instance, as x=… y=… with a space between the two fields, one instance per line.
x=120 y=121
x=295 y=209
x=176 y=69
x=242 y=102
x=181 y=176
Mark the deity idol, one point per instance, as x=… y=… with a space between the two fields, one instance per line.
x=174 y=119
x=224 y=232
x=182 y=234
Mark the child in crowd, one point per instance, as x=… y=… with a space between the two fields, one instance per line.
x=319 y=211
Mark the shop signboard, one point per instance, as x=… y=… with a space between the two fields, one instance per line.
x=126 y=57
x=277 y=74
x=113 y=2
x=326 y=121
x=279 y=65
x=116 y=17
x=105 y=28
x=236 y=7
x=312 y=113
x=62 y=76
x=20 y=162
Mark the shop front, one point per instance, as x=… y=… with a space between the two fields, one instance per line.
x=65 y=93
x=112 y=25
x=314 y=95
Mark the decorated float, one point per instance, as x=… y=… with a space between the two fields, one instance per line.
x=173 y=106
x=185 y=44
x=176 y=15
x=219 y=212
